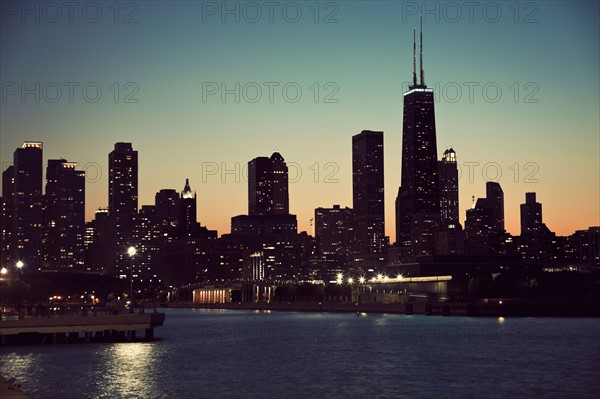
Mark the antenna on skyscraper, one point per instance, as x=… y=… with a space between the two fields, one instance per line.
x=421 y=59
x=414 y=57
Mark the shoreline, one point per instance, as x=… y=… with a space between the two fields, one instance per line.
x=492 y=308
x=9 y=389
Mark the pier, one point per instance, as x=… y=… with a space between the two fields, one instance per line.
x=80 y=328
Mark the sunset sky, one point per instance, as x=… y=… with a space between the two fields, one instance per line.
x=543 y=56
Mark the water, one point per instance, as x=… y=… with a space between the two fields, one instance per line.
x=250 y=354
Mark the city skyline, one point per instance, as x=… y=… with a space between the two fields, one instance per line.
x=530 y=132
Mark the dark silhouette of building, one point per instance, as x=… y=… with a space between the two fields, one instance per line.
x=123 y=202
x=368 y=193
x=148 y=243
x=281 y=201
x=188 y=224
x=334 y=233
x=27 y=205
x=418 y=201
x=167 y=202
x=99 y=251
x=64 y=217
x=531 y=215
x=484 y=226
x=6 y=245
x=268 y=186
x=448 y=170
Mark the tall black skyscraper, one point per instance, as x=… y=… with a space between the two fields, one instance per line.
x=268 y=186
x=448 y=170
x=64 y=217
x=6 y=245
x=167 y=211
x=368 y=192
x=123 y=201
x=418 y=201
x=531 y=215
x=484 y=225
x=281 y=201
x=27 y=204
x=188 y=225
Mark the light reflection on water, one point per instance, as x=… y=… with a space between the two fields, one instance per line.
x=217 y=353
x=128 y=371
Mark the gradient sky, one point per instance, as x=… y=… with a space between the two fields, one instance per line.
x=174 y=48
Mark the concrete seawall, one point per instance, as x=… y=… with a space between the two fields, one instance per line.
x=65 y=329
x=485 y=308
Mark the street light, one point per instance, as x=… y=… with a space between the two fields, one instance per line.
x=131 y=251
x=361 y=280
x=3 y=271
x=20 y=264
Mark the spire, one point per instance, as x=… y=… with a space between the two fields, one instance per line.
x=414 y=57
x=421 y=59
x=187 y=191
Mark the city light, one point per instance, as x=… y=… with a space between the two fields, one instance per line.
x=350 y=280
x=361 y=280
x=20 y=264
x=3 y=270
x=131 y=251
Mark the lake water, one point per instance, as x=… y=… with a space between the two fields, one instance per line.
x=251 y=354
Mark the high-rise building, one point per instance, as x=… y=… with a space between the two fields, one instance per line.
x=418 y=201
x=260 y=191
x=268 y=186
x=484 y=225
x=531 y=215
x=64 y=217
x=334 y=234
x=281 y=201
x=122 y=202
x=99 y=243
x=334 y=230
x=6 y=245
x=188 y=224
x=448 y=170
x=167 y=211
x=368 y=192
x=27 y=205
x=148 y=243
x=495 y=199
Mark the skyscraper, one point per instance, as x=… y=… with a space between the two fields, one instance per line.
x=368 y=192
x=188 y=224
x=448 y=171
x=167 y=211
x=485 y=221
x=531 y=215
x=27 y=204
x=281 y=201
x=260 y=182
x=334 y=230
x=418 y=201
x=268 y=186
x=6 y=246
x=122 y=201
x=64 y=217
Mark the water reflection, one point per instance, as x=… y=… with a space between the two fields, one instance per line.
x=130 y=371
